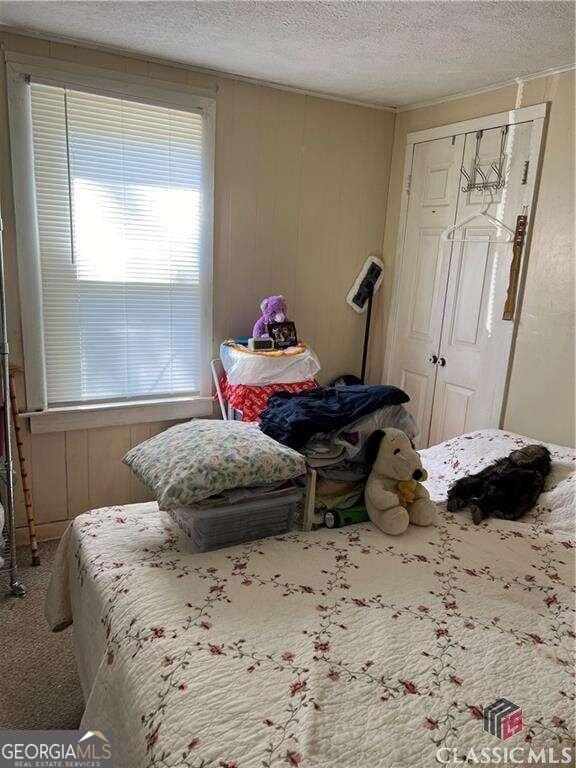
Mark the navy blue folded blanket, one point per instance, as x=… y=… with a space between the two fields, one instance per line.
x=292 y=419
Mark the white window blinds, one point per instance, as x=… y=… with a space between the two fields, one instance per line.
x=121 y=194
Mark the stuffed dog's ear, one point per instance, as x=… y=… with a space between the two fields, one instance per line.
x=373 y=446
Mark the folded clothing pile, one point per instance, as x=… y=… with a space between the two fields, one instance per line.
x=225 y=482
x=292 y=419
x=330 y=426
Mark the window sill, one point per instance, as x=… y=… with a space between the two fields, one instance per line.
x=118 y=414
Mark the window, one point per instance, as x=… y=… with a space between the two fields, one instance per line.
x=122 y=192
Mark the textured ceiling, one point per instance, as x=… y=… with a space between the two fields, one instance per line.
x=390 y=52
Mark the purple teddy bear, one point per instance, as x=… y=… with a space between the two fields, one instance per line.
x=274 y=310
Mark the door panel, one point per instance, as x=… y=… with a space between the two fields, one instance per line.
x=416 y=386
x=427 y=284
x=423 y=281
x=470 y=282
x=453 y=407
x=473 y=333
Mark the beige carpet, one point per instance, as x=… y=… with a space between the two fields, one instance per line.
x=39 y=686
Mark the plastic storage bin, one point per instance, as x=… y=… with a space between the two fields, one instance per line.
x=225 y=525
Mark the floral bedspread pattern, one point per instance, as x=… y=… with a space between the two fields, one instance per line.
x=333 y=648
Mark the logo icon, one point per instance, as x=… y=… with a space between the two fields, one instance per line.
x=503 y=719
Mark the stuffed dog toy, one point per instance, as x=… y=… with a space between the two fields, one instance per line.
x=394 y=495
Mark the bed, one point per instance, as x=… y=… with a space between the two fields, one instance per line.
x=329 y=648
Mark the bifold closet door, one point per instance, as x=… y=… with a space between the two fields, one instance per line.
x=424 y=277
x=469 y=390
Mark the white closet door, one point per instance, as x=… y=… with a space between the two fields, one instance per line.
x=469 y=387
x=423 y=281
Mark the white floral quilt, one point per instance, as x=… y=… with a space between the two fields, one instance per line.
x=332 y=649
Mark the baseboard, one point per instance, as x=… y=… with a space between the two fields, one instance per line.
x=44 y=532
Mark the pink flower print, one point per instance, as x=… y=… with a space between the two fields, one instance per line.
x=322 y=647
x=334 y=675
x=211 y=569
x=551 y=600
x=440 y=632
x=215 y=650
x=297 y=686
x=246 y=582
x=228 y=764
x=558 y=722
x=409 y=686
x=422 y=558
x=469 y=625
x=451 y=606
x=288 y=656
x=158 y=632
x=166 y=661
x=293 y=758
x=429 y=724
x=476 y=712
x=193 y=743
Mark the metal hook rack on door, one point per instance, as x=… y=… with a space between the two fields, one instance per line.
x=476 y=171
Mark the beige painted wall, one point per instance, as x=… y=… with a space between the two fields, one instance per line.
x=300 y=195
x=541 y=393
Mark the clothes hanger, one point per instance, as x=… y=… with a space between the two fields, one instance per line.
x=508 y=233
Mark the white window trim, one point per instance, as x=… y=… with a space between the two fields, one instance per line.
x=135 y=87
x=119 y=414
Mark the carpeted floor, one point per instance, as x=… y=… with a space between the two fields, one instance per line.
x=38 y=680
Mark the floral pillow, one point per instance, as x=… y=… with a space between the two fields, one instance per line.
x=193 y=461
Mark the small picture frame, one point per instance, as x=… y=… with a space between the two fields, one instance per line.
x=283 y=335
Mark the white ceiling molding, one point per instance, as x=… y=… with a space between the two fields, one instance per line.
x=487 y=89
x=189 y=67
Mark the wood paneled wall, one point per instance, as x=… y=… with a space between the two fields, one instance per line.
x=80 y=470
x=300 y=197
